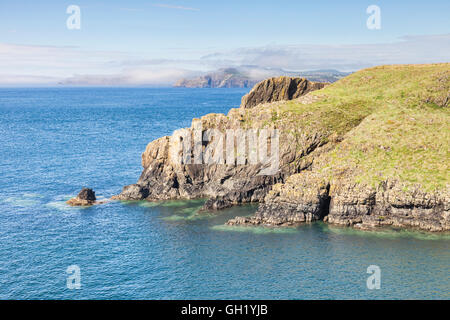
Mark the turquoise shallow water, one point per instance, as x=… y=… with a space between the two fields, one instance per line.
x=54 y=141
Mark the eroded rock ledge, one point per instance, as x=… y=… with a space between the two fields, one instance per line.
x=304 y=198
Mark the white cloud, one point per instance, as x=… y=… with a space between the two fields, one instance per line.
x=26 y=80
x=25 y=64
x=52 y=61
x=410 y=49
x=140 y=77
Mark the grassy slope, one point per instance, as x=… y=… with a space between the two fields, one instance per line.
x=395 y=121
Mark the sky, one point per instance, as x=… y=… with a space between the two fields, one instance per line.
x=156 y=42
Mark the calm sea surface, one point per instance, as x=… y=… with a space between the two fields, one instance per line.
x=55 y=141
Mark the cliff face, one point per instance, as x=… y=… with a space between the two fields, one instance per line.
x=306 y=198
x=279 y=89
x=164 y=177
x=370 y=150
x=390 y=204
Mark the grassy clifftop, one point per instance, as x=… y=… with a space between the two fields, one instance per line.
x=387 y=123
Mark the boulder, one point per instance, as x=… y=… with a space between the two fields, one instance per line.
x=86 y=197
x=87 y=194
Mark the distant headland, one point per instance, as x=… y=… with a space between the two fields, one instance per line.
x=248 y=76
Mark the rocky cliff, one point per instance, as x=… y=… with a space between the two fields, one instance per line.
x=370 y=150
x=164 y=177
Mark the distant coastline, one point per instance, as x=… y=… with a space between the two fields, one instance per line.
x=248 y=76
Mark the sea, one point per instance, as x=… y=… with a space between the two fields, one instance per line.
x=54 y=141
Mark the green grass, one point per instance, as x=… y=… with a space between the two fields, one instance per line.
x=394 y=121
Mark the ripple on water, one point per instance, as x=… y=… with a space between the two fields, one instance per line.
x=63 y=206
x=32 y=195
x=25 y=200
x=387 y=233
x=256 y=229
x=59 y=203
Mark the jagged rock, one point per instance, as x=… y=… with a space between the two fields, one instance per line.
x=277 y=89
x=132 y=192
x=225 y=185
x=165 y=178
x=87 y=194
x=216 y=203
x=86 y=197
x=303 y=198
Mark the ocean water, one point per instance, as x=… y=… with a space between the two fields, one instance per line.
x=53 y=141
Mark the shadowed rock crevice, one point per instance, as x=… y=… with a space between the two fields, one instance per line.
x=306 y=200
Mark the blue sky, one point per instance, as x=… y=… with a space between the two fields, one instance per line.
x=153 y=41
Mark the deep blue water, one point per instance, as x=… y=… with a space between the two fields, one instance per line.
x=55 y=141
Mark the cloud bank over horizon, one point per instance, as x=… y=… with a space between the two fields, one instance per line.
x=23 y=65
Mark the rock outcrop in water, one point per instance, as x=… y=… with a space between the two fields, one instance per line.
x=366 y=151
x=86 y=197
